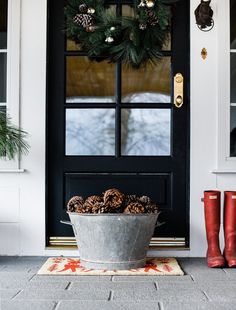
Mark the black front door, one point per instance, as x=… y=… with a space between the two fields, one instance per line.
x=112 y=126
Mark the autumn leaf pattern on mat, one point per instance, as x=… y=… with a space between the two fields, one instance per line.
x=71 y=266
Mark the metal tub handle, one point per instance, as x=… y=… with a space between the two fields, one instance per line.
x=66 y=223
x=69 y=224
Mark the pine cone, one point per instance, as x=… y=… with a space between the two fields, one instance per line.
x=151 y=208
x=113 y=198
x=90 y=202
x=99 y=207
x=130 y=198
x=145 y=200
x=96 y=207
x=75 y=204
x=84 y=20
x=103 y=208
x=83 y=8
x=135 y=207
x=152 y=18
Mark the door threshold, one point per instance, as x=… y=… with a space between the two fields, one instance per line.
x=159 y=243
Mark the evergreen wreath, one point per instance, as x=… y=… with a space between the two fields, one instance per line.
x=104 y=35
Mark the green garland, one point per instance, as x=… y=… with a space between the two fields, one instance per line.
x=12 y=138
x=106 y=36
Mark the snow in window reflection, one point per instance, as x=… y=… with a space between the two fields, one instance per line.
x=144 y=132
x=90 y=132
x=148 y=97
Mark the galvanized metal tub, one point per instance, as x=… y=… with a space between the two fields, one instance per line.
x=113 y=241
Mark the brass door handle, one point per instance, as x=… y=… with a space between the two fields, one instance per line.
x=178 y=90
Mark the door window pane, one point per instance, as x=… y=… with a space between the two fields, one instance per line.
x=72 y=46
x=3 y=24
x=90 y=132
x=145 y=132
x=233 y=78
x=167 y=45
x=127 y=10
x=3 y=76
x=89 y=81
x=233 y=24
x=151 y=84
x=2 y=109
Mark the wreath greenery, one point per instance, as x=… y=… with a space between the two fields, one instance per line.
x=104 y=35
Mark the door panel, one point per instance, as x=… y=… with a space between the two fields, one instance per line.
x=109 y=126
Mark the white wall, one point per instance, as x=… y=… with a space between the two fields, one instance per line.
x=22 y=195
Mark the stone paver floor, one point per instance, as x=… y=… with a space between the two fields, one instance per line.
x=201 y=288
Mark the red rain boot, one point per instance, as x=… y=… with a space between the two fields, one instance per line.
x=230 y=228
x=212 y=222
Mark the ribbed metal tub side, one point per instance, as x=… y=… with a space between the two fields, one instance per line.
x=113 y=241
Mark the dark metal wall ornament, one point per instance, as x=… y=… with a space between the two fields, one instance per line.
x=204 y=16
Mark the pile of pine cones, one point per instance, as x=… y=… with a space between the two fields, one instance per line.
x=112 y=201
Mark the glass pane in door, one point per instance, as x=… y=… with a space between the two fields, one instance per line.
x=89 y=81
x=72 y=46
x=146 y=132
x=90 y=132
x=151 y=84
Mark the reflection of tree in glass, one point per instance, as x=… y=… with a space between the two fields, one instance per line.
x=148 y=132
x=90 y=132
x=143 y=131
x=125 y=116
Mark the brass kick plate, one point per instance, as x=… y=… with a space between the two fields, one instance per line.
x=70 y=242
x=178 y=90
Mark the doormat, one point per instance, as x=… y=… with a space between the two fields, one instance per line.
x=71 y=266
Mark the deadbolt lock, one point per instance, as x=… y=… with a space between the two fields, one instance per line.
x=178 y=90
x=179 y=101
x=179 y=78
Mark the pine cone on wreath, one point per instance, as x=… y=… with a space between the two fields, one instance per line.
x=75 y=204
x=84 y=20
x=113 y=199
x=152 y=18
x=134 y=207
x=83 y=8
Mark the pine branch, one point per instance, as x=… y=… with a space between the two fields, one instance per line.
x=131 y=40
x=12 y=139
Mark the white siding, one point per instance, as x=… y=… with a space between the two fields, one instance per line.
x=26 y=236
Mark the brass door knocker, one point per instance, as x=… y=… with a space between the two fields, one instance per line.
x=204 y=14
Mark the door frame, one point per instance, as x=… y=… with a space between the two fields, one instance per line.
x=156 y=242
